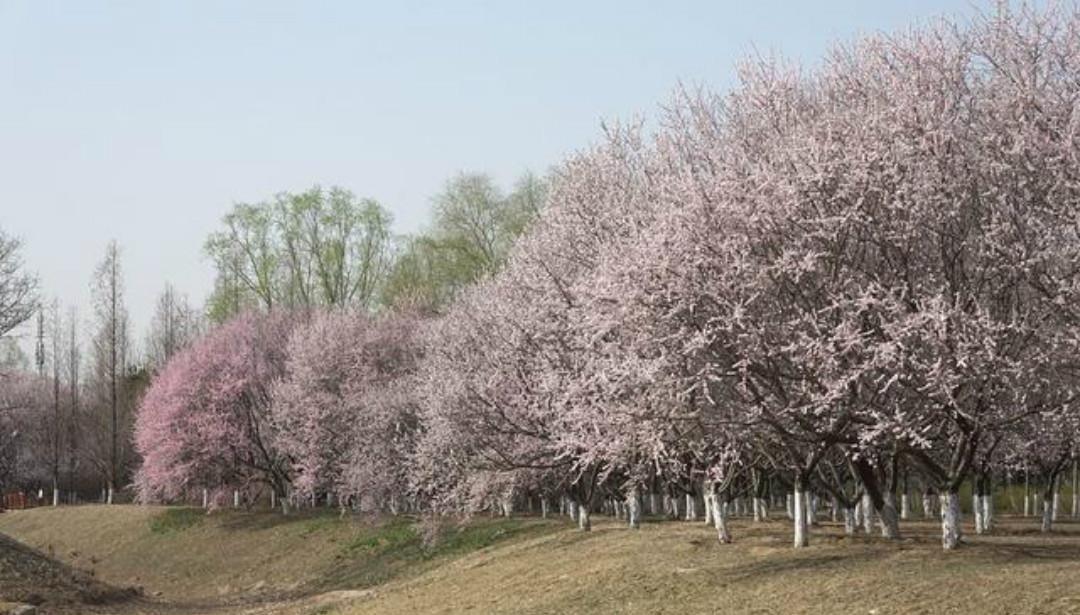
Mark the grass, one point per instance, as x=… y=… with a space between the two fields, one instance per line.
x=184 y=555
x=261 y=563
x=680 y=568
x=176 y=520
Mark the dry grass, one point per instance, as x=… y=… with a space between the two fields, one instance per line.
x=261 y=563
x=679 y=568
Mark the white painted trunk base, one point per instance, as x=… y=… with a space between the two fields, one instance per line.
x=867 y=514
x=802 y=528
x=720 y=517
x=890 y=524
x=851 y=522
x=950 y=520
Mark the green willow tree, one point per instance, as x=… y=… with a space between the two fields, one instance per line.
x=473 y=228
x=315 y=248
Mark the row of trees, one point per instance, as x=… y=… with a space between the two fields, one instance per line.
x=327 y=248
x=67 y=419
x=71 y=431
x=828 y=282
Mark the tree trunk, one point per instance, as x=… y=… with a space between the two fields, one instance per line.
x=633 y=509
x=927 y=505
x=109 y=497
x=1027 y=495
x=890 y=525
x=850 y=522
x=868 y=514
x=720 y=517
x=798 y=508
x=977 y=510
x=1075 y=492
x=584 y=523
x=543 y=508
x=950 y=520
x=206 y=498
x=1048 y=513
x=905 y=507
x=790 y=506
x=691 y=507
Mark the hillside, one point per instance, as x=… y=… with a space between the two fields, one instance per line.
x=232 y=562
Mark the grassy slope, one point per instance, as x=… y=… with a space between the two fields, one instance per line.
x=226 y=562
x=230 y=558
x=678 y=568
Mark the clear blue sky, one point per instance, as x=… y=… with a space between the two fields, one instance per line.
x=144 y=121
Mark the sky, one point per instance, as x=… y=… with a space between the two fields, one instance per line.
x=146 y=121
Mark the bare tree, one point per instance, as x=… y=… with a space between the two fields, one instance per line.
x=173 y=326
x=18 y=289
x=110 y=353
x=74 y=363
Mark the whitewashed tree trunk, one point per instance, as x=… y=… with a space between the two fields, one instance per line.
x=802 y=528
x=850 y=521
x=811 y=508
x=55 y=496
x=236 y=498
x=905 y=507
x=758 y=506
x=1075 y=490
x=977 y=510
x=720 y=517
x=109 y=495
x=654 y=502
x=572 y=508
x=1057 y=502
x=273 y=499
x=927 y=506
x=890 y=524
x=950 y=520
x=206 y=498
x=790 y=506
x=633 y=508
x=691 y=507
x=543 y=508
x=764 y=506
x=708 y=500
x=1047 y=515
x=834 y=511
x=868 y=514
x=584 y=523
x=988 y=512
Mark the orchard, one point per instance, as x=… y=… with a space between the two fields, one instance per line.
x=849 y=291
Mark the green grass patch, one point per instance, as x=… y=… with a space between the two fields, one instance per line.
x=396 y=546
x=176 y=520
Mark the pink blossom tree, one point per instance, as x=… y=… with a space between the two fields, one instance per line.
x=205 y=422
